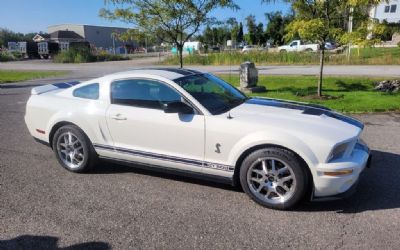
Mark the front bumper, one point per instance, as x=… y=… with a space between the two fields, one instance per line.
x=333 y=187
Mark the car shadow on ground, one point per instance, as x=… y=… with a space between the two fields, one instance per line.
x=47 y=242
x=378 y=189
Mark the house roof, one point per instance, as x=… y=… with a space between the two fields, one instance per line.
x=65 y=34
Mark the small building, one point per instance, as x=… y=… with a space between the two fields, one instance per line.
x=386 y=10
x=98 y=36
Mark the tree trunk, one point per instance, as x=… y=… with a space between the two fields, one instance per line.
x=321 y=69
x=180 y=49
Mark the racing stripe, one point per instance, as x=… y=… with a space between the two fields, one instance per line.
x=308 y=109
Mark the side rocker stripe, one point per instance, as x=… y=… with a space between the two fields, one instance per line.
x=168 y=158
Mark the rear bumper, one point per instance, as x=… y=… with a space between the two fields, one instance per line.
x=335 y=187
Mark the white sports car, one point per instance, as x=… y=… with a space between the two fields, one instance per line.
x=195 y=123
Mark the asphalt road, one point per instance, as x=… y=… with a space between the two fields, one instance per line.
x=91 y=69
x=42 y=206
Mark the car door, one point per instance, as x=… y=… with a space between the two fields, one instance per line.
x=143 y=132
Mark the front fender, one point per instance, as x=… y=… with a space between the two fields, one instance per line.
x=280 y=139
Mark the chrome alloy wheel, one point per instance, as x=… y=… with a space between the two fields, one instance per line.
x=271 y=180
x=70 y=150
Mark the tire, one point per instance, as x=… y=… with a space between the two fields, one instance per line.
x=282 y=51
x=73 y=149
x=309 y=50
x=274 y=177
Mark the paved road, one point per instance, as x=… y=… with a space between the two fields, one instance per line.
x=90 y=69
x=43 y=206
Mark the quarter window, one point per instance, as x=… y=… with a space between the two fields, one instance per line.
x=142 y=93
x=90 y=91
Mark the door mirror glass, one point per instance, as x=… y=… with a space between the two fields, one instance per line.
x=177 y=107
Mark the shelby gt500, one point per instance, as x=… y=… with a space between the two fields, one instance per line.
x=194 y=123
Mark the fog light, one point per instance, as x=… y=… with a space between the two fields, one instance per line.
x=339 y=173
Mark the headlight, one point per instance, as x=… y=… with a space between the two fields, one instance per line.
x=338 y=151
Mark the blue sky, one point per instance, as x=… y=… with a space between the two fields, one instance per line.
x=33 y=16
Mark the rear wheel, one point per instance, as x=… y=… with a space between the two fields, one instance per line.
x=73 y=149
x=274 y=177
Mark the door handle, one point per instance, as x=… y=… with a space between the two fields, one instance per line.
x=118 y=117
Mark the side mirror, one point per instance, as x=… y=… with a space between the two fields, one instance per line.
x=177 y=107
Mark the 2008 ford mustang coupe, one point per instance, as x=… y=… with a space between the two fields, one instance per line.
x=194 y=123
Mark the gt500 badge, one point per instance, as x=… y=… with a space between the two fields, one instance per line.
x=218 y=167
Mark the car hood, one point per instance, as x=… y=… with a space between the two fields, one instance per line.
x=303 y=120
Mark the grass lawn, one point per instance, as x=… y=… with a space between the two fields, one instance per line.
x=349 y=94
x=7 y=76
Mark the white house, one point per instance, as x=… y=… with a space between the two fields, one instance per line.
x=386 y=10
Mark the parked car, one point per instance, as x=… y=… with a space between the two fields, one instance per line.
x=298 y=46
x=215 y=49
x=330 y=45
x=194 y=123
x=250 y=48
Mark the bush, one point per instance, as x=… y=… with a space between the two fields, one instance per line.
x=75 y=55
x=83 y=55
x=398 y=44
x=6 y=56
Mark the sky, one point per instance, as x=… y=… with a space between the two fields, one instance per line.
x=35 y=15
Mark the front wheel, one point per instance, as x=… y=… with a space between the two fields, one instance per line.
x=73 y=149
x=274 y=177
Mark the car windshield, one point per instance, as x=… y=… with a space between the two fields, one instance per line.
x=216 y=95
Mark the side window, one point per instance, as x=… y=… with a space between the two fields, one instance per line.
x=387 y=8
x=142 y=93
x=393 y=8
x=90 y=91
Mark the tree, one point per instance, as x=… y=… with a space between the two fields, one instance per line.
x=322 y=20
x=173 y=21
x=251 y=28
x=234 y=29
x=259 y=35
x=240 y=33
x=276 y=24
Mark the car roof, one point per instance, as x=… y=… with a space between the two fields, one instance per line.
x=169 y=73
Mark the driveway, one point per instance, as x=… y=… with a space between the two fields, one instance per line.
x=42 y=206
x=99 y=68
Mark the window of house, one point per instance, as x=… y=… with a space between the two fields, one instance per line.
x=387 y=8
x=393 y=8
x=90 y=91
x=142 y=93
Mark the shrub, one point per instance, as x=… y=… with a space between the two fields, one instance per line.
x=75 y=55
x=6 y=56
x=398 y=44
x=83 y=55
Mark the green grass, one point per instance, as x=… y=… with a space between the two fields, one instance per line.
x=349 y=94
x=363 y=56
x=7 y=76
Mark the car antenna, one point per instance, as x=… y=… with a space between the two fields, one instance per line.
x=229 y=115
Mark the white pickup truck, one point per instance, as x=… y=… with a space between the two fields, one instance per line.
x=298 y=46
